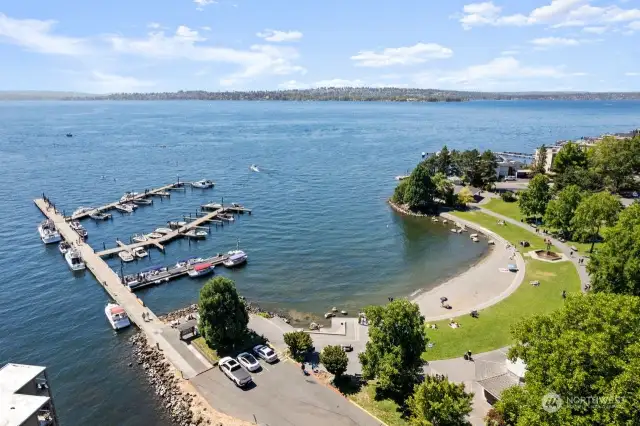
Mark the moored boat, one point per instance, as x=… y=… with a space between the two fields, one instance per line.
x=117 y=316
x=226 y=216
x=211 y=206
x=128 y=196
x=140 y=252
x=163 y=231
x=236 y=258
x=200 y=269
x=76 y=226
x=154 y=235
x=139 y=238
x=64 y=247
x=177 y=225
x=142 y=201
x=124 y=208
x=203 y=184
x=196 y=234
x=188 y=262
x=126 y=256
x=48 y=232
x=74 y=259
x=81 y=210
x=99 y=216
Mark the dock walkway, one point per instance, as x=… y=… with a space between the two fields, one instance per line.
x=187 y=363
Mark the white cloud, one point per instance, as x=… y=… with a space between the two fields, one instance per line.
x=205 y=28
x=634 y=26
x=292 y=85
x=202 y=3
x=632 y=74
x=37 y=36
x=595 y=30
x=558 y=13
x=113 y=83
x=509 y=52
x=186 y=44
x=410 y=55
x=153 y=25
x=496 y=73
x=279 y=36
x=546 y=42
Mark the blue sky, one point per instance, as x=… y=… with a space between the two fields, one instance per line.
x=145 y=45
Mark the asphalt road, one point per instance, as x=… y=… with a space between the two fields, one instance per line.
x=281 y=396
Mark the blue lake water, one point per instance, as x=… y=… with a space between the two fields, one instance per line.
x=321 y=234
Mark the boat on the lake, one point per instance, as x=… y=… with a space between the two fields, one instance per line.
x=163 y=231
x=128 y=196
x=203 y=184
x=64 y=247
x=48 y=232
x=142 y=201
x=154 y=235
x=82 y=210
x=140 y=252
x=124 y=208
x=177 y=224
x=200 y=269
x=188 y=262
x=117 y=316
x=226 y=216
x=196 y=234
x=211 y=206
x=236 y=258
x=139 y=238
x=254 y=168
x=74 y=259
x=126 y=256
x=99 y=216
x=77 y=226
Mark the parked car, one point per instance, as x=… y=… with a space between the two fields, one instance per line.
x=509 y=178
x=347 y=348
x=248 y=361
x=266 y=353
x=234 y=371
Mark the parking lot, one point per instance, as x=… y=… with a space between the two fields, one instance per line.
x=281 y=395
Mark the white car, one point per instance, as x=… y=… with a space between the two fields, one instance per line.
x=266 y=353
x=508 y=178
x=235 y=371
x=248 y=361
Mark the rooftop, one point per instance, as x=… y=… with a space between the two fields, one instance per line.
x=15 y=408
x=14 y=376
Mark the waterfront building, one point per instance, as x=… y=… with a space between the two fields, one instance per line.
x=25 y=396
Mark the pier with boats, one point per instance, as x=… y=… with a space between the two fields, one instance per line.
x=69 y=233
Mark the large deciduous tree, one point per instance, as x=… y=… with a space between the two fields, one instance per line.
x=586 y=353
x=570 y=155
x=334 y=359
x=396 y=342
x=533 y=201
x=615 y=268
x=420 y=189
x=298 y=342
x=560 y=211
x=540 y=162
x=594 y=212
x=439 y=402
x=398 y=193
x=444 y=188
x=618 y=160
x=223 y=315
x=587 y=179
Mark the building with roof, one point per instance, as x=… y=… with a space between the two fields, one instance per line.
x=25 y=396
x=496 y=378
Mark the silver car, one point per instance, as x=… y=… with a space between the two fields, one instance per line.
x=234 y=371
x=266 y=353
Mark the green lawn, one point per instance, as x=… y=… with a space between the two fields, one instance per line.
x=492 y=329
x=511 y=210
x=201 y=345
x=386 y=409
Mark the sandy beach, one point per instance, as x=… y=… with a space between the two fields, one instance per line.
x=482 y=285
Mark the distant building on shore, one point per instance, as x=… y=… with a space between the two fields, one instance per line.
x=25 y=397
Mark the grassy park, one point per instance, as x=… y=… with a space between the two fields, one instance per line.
x=492 y=329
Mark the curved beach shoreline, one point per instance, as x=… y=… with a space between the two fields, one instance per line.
x=484 y=284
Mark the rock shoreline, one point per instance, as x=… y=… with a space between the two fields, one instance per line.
x=165 y=384
x=252 y=308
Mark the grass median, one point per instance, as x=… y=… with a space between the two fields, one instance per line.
x=210 y=354
x=492 y=329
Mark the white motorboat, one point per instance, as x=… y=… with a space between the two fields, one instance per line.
x=64 y=247
x=76 y=226
x=81 y=210
x=196 y=233
x=200 y=269
x=211 y=206
x=189 y=262
x=254 y=168
x=140 y=252
x=239 y=206
x=236 y=258
x=203 y=184
x=74 y=259
x=139 y=238
x=99 y=216
x=124 y=208
x=126 y=256
x=475 y=239
x=227 y=217
x=472 y=236
x=128 y=196
x=142 y=201
x=154 y=235
x=116 y=315
x=163 y=231
x=178 y=224
x=48 y=232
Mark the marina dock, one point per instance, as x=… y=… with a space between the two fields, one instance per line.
x=110 y=281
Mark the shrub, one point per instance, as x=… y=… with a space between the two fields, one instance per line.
x=508 y=197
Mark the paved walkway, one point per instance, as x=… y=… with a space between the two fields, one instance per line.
x=582 y=272
x=481 y=286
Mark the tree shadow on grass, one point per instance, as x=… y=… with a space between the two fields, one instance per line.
x=349 y=384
